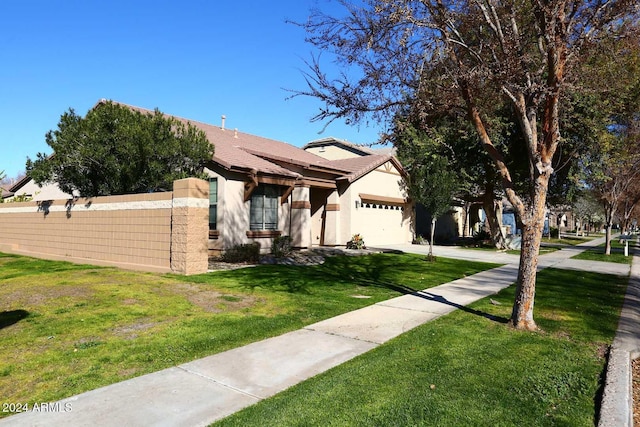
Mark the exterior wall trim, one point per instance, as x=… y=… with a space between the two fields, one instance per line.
x=263 y=234
x=301 y=204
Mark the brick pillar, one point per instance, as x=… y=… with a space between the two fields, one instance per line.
x=301 y=218
x=190 y=226
x=332 y=220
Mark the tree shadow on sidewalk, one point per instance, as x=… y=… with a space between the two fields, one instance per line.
x=438 y=298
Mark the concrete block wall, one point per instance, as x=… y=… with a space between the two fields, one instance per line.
x=190 y=226
x=130 y=231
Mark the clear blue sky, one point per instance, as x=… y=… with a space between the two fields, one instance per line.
x=197 y=59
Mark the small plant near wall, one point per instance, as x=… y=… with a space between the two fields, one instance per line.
x=246 y=253
x=356 y=242
x=281 y=246
x=419 y=240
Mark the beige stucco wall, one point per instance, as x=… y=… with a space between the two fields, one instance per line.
x=233 y=215
x=384 y=224
x=301 y=225
x=37 y=193
x=130 y=231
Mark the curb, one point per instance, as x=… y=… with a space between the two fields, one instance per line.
x=617 y=399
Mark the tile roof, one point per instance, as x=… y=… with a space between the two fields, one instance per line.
x=360 y=149
x=359 y=166
x=236 y=150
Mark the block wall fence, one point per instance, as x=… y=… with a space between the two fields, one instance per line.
x=158 y=232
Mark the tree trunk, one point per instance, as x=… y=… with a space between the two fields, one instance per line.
x=609 y=209
x=433 y=232
x=488 y=203
x=522 y=314
x=465 y=231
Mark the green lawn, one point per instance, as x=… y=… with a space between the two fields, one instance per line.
x=466 y=370
x=568 y=240
x=67 y=328
x=617 y=253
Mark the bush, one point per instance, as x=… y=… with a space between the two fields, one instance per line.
x=281 y=246
x=249 y=252
x=554 y=232
x=356 y=242
x=419 y=240
x=482 y=235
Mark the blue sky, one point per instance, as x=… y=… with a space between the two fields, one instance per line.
x=197 y=59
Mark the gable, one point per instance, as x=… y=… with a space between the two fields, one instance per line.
x=336 y=149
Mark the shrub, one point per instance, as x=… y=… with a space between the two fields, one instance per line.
x=281 y=246
x=482 y=235
x=249 y=252
x=554 y=232
x=356 y=242
x=419 y=240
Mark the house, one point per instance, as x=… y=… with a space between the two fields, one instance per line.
x=260 y=189
x=26 y=188
x=5 y=193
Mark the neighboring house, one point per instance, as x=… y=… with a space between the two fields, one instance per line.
x=28 y=188
x=261 y=188
x=5 y=193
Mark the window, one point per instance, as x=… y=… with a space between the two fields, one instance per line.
x=264 y=208
x=213 y=204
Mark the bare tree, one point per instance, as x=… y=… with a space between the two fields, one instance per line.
x=473 y=51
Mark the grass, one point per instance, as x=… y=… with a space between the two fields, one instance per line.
x=568 y=240
x=617 y=253
x=463 y=369
x=67 y=328
x=543 y=250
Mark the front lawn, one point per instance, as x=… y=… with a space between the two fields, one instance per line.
x=617 y=253
x=67 y=328
x=465 y=370
x=567 y=240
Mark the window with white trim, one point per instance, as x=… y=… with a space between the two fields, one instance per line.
x=213 y=204
x=264 y=208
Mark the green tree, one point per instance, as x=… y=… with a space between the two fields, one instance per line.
x=115 y=149
x=523 y=52
x=610 y=108
x=431 y=180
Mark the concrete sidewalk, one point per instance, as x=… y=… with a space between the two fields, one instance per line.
x=203 y=391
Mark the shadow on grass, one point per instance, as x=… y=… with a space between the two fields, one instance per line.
x=25 y=266
x=8 y=318
x=400 y=274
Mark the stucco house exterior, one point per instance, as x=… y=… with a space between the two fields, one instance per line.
x=261 y=189
x=28 y=188
x=321 y=194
